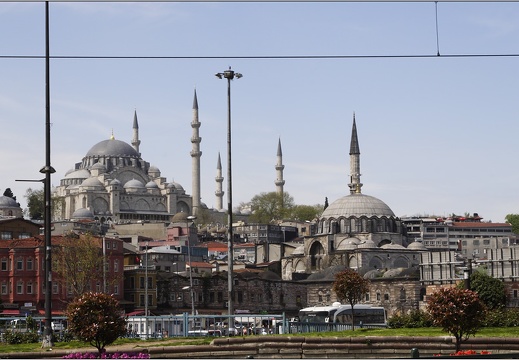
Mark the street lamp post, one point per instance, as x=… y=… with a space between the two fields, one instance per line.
x=192 y=291
x=229 y=75
x=146 y=293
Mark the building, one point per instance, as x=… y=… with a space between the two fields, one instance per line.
x=22 y=277
x=357 y=231
x=451 y=233
x=18 y=228
x=113 y=184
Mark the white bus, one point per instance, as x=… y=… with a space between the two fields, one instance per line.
x=364 y=316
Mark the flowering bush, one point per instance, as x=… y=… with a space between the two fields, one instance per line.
x=107 y=356
x=467 y=353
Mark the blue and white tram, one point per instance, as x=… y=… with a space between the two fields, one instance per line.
x=339 y=317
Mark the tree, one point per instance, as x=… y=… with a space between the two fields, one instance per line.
x=459 y=312
x=305 y=212
x=9 y=193
x=78 y=260
x=35 y=203
x=490 y=290
x=350 y=286
x=270 y=206
x=97 y=319
x=513 y=219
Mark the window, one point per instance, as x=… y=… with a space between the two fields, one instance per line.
x=141 y=282
x=55 y=288
x=116 y=265
x=19 y=287
x=4 y=288
x=116 y=289
x=98 y=286
x=4 y=264
x=386 y=297
x=24 y=235
x=29 y=264
x=19 y=264
x=6 y=235
x=141 y=299
x=29 y=288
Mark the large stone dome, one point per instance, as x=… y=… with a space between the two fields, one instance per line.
x=357 y=205
x=112 y=147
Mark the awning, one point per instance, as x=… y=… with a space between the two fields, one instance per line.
x=10 y=312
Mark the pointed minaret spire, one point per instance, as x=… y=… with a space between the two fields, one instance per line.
x=219 y=180
x=279 y=170
x=355 y=184
x=195 y=158
x=135 y=141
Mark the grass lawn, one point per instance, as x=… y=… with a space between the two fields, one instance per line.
x=484 y=332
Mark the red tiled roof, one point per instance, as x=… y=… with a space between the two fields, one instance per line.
x=479 y=225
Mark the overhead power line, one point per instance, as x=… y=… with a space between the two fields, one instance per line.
x=258 y=57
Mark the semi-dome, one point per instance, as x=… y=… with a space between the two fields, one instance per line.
x=357 y=205
x=112 y=147
x=6 y=201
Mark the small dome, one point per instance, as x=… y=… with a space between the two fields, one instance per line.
x=92 y=182
x=98 y=166
x=115 y=182
x=368 y=244
x=357 y=205
x=392 y=246
x=416 y=245
x=69 y=171
x=82 y=214
x=179 y=217
x=112 y=147
x=373 y=274
x=78 y=174
x=134 y=184
x=348 y=244
x=152 y=185
x=6 y=201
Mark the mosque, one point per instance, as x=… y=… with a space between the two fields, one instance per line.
x=356 y=231
x=113 y=184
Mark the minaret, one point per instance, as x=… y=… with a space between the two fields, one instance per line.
x=219 y=180
x=195 y=158
x=355 y=184
x=135 y=141
x=279 y=170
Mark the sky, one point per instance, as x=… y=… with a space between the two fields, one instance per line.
x=438 y=134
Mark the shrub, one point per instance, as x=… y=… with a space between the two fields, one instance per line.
x=412 y=319
x=16 y=337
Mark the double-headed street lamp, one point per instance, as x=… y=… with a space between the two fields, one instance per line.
x=229 y=75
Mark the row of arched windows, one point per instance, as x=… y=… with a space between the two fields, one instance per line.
x=358 y=225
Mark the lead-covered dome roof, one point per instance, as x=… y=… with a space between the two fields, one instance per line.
x=112 y=147
x=357 y=205
x=6 y=201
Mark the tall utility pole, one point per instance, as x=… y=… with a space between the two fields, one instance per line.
x=229 y=75
x=47 y=170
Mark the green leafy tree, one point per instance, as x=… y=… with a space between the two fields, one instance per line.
x=305 y=212
x=97 y=319
x=350 y=286
x=457 y=311
x=35 y=203
x=490 y=290
x=513 y=219
x=267 y=207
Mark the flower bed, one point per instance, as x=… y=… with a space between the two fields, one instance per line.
x=117 y=355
